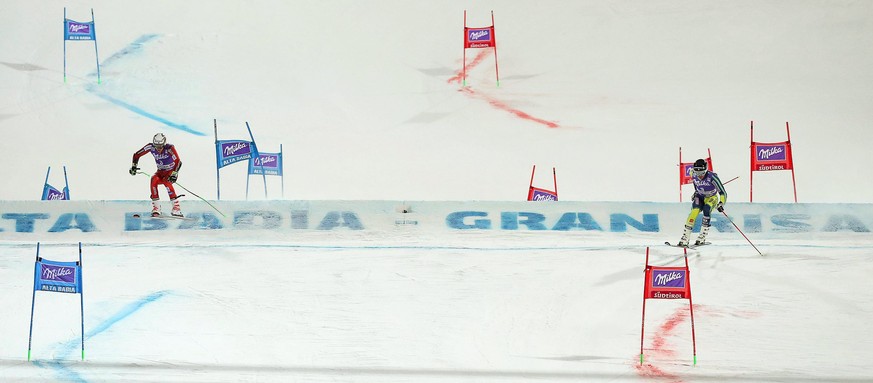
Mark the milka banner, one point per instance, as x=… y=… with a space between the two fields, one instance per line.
x=266 y=163
x=229 y=152
x=540 y=194
x=74 y=30
x=663 y=282
x=475 y=38
x=80 y=31
x=57 y=277
x=50 y=193
x=771 y=156
x=537 y=194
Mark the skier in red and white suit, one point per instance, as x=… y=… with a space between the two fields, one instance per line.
x=168 y=164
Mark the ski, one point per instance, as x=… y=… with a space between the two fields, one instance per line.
x=163 y=216
x=692 y=247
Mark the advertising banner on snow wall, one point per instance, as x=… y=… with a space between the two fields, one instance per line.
x=284 y=220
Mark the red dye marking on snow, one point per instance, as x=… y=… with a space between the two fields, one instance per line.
x=650 y=371
x=476 y=61
x=658 y=348
x=666 y=330
x=502 y=106
x=493 y=101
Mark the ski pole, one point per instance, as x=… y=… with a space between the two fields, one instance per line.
x=189 y=191
x=201 y=198
x=741 y=232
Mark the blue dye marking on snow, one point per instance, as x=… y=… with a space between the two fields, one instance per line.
x=134 y=48
x=62 y=362
x=151 y=116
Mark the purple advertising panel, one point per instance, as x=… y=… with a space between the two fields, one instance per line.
x=771 y=156
x=61 y=277
x=668 y=278
x=667 y=283
x=266 y=163
x=537 y=194
x=771 y=152
x=50 y=193
x=74 y=30
x=232 y=151
x=479 y=37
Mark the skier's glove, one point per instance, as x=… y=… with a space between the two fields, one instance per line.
x=173 y=177
x=133 y=170
x=720 y=207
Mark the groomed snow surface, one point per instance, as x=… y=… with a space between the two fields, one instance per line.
x=450 y=292
x=494 y=310
x=366 y=99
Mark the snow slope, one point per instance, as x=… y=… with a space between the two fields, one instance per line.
x=365 y=99
x=448 y=292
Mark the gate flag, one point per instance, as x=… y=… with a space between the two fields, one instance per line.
x=662 y=282
x=479 y=38
x=266 y=164
x=539 y=194
x=229 y=152
x=50 y=193
x=57 y=277
x=80 y=31
x=770 y=156
x=74 y=30
x=667 y=283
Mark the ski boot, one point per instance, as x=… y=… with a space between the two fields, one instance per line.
x=177 y=210
x=704 y=230
x=701 y=238
x=156 y=208
x=683 y=242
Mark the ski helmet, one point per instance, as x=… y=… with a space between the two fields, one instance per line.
x=699 y=168
x=159 y=139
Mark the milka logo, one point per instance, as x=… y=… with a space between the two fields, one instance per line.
x=231 y=150
x=765 y=154
x=664 y=279
x=55 y=196
x=265 y=160
x=56 y=273
x=80 y=28
x=544 y=197
x=480 y=35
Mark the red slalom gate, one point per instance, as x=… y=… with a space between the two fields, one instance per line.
x=662 y=282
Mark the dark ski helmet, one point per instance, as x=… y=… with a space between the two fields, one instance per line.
x=699 y=168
